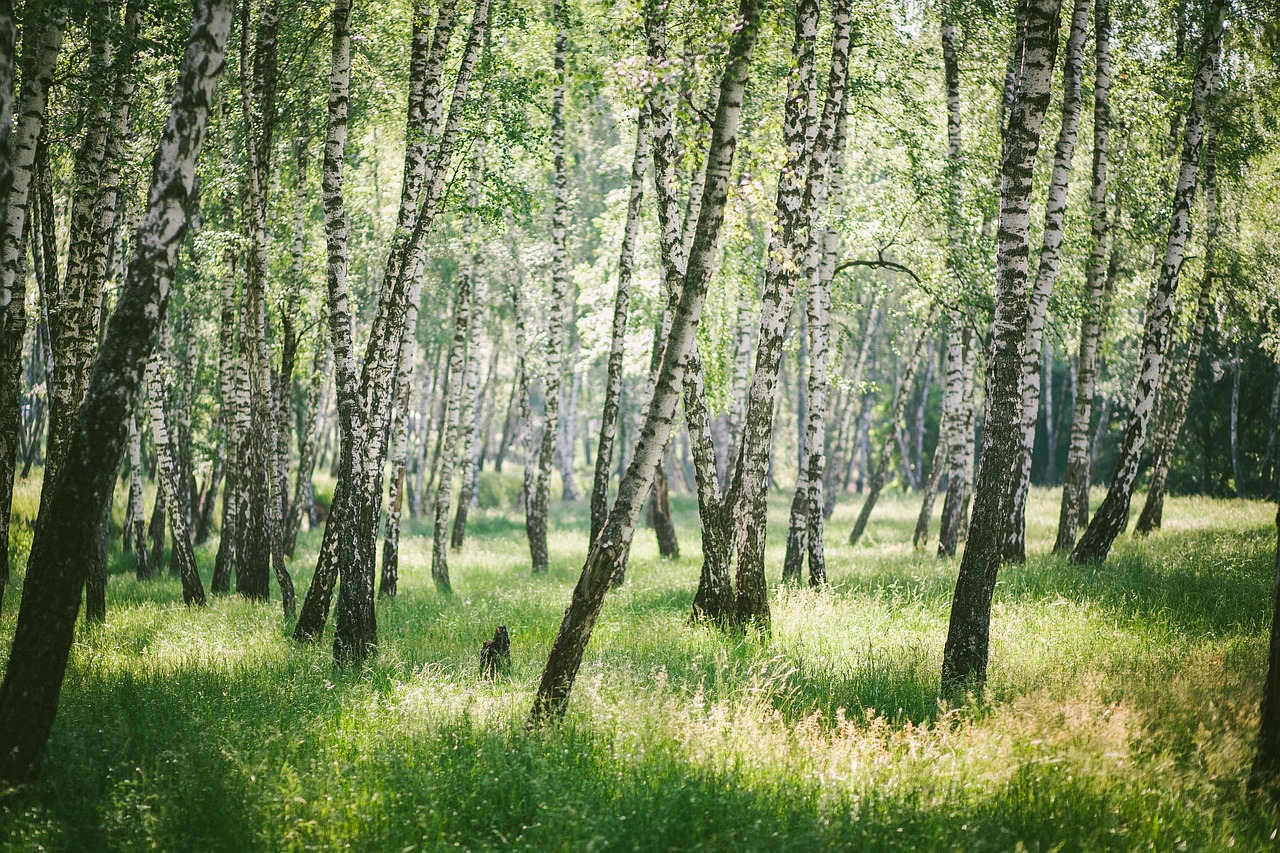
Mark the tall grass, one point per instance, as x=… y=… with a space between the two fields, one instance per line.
x=1120 y=711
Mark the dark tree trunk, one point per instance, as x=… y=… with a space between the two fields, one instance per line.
x=1264 y=778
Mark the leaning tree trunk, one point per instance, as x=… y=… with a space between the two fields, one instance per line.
x=1176 y=393
x=714 y=597
x=610 y=548
x=1264 y=778
x=1075 y=488
x=57 y=566
x=968 y=636
x=1015 y=546
x=1113 y=515
x=881 y=473
x=613 y=381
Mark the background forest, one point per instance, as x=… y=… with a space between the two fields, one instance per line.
x=889 y=391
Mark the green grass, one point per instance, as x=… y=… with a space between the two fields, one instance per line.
x=1120 y=711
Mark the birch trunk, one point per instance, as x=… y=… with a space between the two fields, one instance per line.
x=471 y=399
x=1075 y=488
x=617 y=344
x=1015 y=546
x=1113 y=515
x=965 y=654
x=57 y=565
x=825 y=254
x=41 y=44
x=610 y=548
x=167 y=480
x=459 y=359
x=135 y=533
x=1176 y=394
x=536 y=521
x=802 y=190
x=953 y=399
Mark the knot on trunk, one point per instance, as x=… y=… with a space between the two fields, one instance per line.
x=495 y=654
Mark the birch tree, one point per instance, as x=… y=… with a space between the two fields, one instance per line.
x=1113 y=513
x=1015 y=548
x=1075 y=489
x=536 y=522
x=1175 y=394
x=968 y=635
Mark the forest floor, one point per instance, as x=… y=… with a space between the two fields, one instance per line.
x=1120 y=713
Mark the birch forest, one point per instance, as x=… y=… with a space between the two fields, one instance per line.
x=639 y=424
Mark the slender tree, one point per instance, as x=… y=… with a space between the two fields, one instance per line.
x=536 y=521
x=1175 y=394
x=1015 y=547
x=1075 y=489
x=610 y=548
x=1113 y=514
x=621 y=303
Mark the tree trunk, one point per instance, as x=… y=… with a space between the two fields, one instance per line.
x=802 y=190
x=968 y=636
x=472 y=398
x=954 y=402
x=41 y=44
x=183 y=553
x=536 y=520
x=1176 y=393
x=613 y=381
x=459 y=364
x=1075 y=488
x=57 y=566
x=135 y=528
x=1113 y=514
x=1015 y=546
x=609 y=549
x=818 y=314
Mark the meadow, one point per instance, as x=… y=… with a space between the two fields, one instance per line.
x=1120 y=712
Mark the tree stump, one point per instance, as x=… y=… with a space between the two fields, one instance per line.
x=495 y=654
